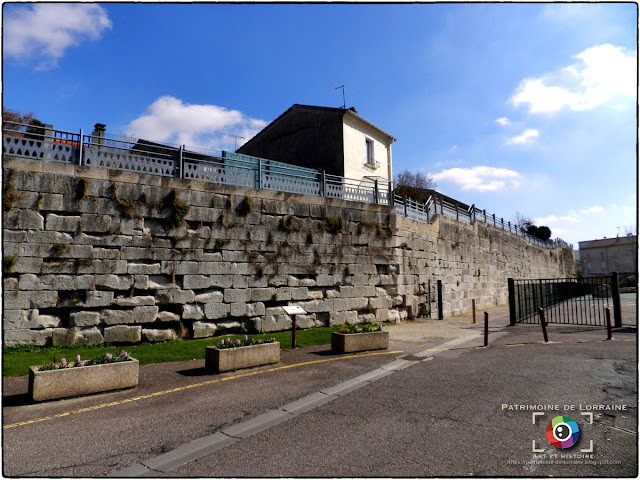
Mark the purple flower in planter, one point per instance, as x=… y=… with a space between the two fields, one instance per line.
x=238 y=342
x=82 y=364
x=246 y=337
x=78 y=358
x=124 y=354
x=63 y=362
x=222 y=342
x=108 y=356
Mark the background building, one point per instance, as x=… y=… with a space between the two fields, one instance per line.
x=601 y=257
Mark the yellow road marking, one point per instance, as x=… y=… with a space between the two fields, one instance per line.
x=193 y=385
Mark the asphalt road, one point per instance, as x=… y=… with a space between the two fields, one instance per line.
x=445 y=417
x=446 y=412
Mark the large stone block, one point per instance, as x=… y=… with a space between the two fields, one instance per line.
x=138 y=301
x=114 y=282
x=39 y=338
x=96 y=223
x=98 y=299
x=89 y=336
x=192 y=312
x=62 y=223
x=64 y=336
x=214 y=311
x=196 y=281
x=29 y=281
x=84 y=319
x=30 y=299
x=233 y=295
x=175 y=295
x=143 y=268
x=262 y=294
x=122 y=334
x=168 y=317
x=145 y=314
x=75 y=282
x=117 y=317
x=204 y=329
x=30 y=220
x=276 y=319
x=210 y=297
x=159 y=335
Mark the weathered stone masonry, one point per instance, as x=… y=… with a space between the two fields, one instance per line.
x=93 y=255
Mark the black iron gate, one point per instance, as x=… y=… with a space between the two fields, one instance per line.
x=565 y=300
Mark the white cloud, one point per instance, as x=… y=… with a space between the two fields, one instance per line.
x=480 y=179
x=504 y=121
x=604 y=73
x=46 y=30
x=571 y=217
x=525 y=137
x=594 y=209
x=169 y=119
x=588 y=223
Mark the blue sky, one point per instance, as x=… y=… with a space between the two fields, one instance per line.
x=527 y=108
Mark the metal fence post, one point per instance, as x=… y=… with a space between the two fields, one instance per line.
x=80 y=147
x=440 y=313
x=486 y=329
x=375 y=192
x=181 y=161
x=323 y=192
x=512 y=301
x=543 y=323
x=472 y=216
x=260 y=174
x=615 y=293
x=392 y=200
x=404 y=201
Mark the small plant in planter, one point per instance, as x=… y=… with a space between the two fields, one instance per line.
x=248 y=352
x=366 y=328
x=245 y=342
x=359 y=338
x=82 y=377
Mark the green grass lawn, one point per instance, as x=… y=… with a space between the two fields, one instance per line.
x=18 y=359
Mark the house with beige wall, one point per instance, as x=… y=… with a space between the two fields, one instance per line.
x=606 y=255
x=336 y=140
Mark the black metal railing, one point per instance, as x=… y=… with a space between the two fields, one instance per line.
x=128 y=153
x=565 y=300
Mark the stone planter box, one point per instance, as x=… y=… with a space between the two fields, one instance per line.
x=228 y=359
x=359 y=342
x=76 y=381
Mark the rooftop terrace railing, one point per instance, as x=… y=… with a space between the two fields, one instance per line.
x=142 y=156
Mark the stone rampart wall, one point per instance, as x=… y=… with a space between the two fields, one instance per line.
x=93 y=255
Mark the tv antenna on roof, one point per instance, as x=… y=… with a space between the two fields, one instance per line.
x=235 y=137
x=336 y=87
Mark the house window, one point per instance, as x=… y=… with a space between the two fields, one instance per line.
x=369 y=147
